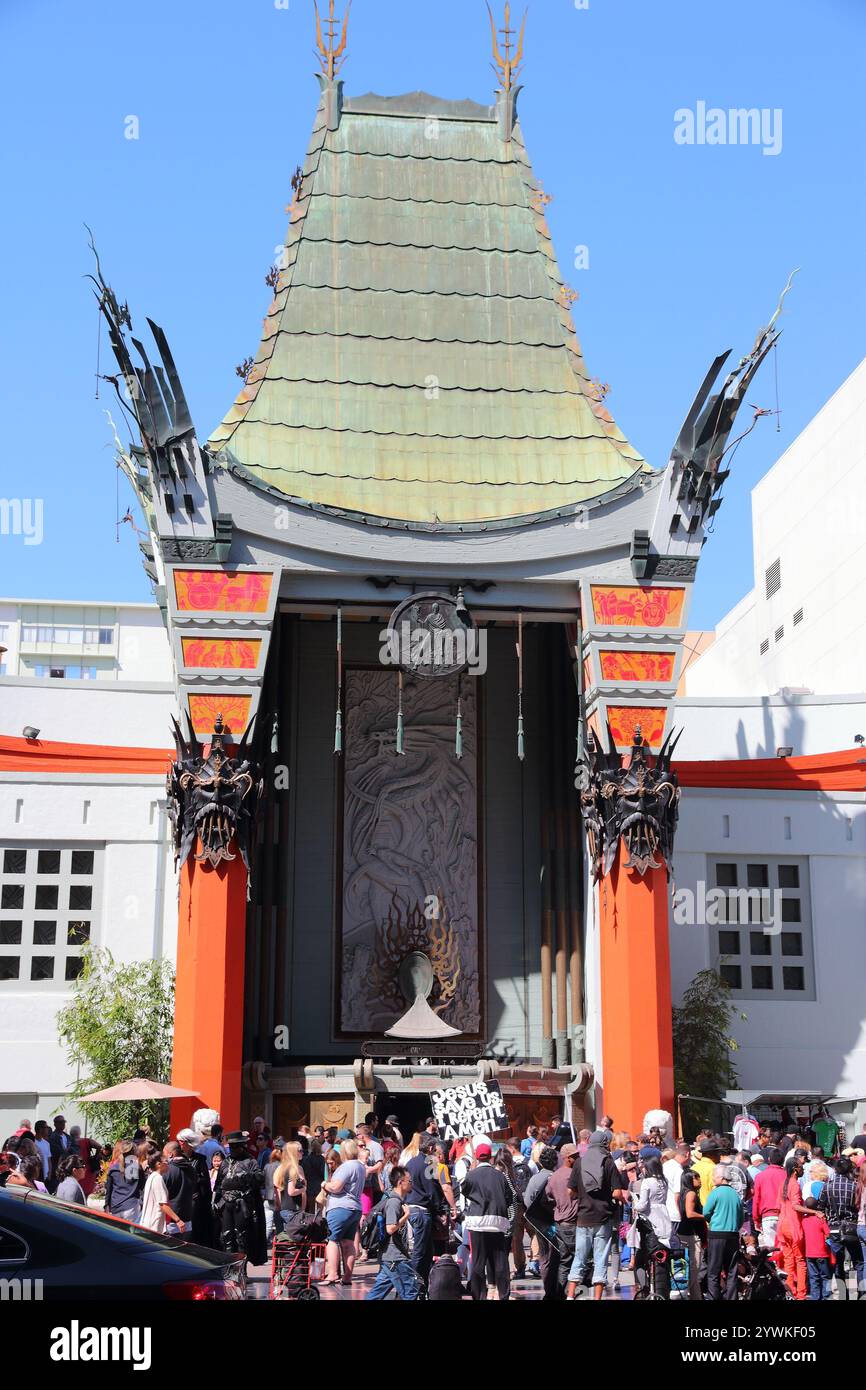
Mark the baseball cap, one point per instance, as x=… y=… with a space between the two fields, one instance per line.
x=482 y=1150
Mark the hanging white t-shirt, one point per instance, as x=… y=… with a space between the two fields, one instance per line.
x=746 y=1131
x=155 y=1193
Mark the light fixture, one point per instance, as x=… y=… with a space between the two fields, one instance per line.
x=786 y=752
x=30 y=733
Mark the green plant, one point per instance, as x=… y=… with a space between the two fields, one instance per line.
x=119 y=1025
x=703 y=1043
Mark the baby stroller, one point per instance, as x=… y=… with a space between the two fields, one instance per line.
x=759 y=1278
x=298 y=1258
x=652 y=1256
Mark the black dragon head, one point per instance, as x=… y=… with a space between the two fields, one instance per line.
x=637 y=802
x=214 y=799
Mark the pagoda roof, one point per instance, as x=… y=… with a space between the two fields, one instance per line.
x=419 y=361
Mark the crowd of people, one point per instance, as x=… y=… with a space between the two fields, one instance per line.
x=473 y=1215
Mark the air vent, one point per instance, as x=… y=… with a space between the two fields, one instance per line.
x=773 y=578
x=780 y=633
x=798 y=616
x=765 y=646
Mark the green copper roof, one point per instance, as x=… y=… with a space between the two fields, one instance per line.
x=419 y=361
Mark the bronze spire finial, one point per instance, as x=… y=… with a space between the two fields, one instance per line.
x=507 y=66
x=331 y=58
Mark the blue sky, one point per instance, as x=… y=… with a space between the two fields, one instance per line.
x=689 y=245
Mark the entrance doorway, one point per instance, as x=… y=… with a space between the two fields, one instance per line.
x=411 y=1111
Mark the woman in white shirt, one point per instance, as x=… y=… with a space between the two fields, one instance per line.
x=156 y=1210
x=650 y=1202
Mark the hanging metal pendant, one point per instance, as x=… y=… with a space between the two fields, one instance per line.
x=400 y=714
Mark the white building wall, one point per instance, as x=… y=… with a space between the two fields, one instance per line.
x=139 y=649
x=756 y=727
x=135 y=915
x=810 y=1046
x=807 y=513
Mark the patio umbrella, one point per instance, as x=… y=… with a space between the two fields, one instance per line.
x=137 y=1089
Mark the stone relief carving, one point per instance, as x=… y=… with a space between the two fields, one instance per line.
x=409 y=850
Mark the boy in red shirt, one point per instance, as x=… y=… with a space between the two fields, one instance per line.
x=815 y=1233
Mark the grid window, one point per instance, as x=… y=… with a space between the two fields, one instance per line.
x=48 y=897
x=773 y=578
x=765 y=646
x=763 y=961
x=798 y=617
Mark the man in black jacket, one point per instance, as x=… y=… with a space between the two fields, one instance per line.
x=181 y=1184
x=489 y=1212
x=202 y=1226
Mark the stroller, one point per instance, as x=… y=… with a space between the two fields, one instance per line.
x=759 y=1278
x=298 y=1259
x=653 y=1255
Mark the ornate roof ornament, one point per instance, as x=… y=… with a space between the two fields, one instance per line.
x=637 y=802
x=332 y=55
x=505 y=65
x=213 y=799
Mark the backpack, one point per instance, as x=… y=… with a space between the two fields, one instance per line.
x=521 y=1178
x=445 y=1284
x=373 y=1234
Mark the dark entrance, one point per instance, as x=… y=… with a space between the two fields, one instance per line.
x=411 y=1111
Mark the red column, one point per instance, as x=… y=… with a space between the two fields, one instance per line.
x=209 y=1000
x=637 y=1045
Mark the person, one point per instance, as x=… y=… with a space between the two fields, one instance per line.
x=489 y=1211
x=517 y=1177
x=723 y=1212
x=201 y=1221
x=711 y=1152
x=840 y=1203
x=259 y=1128
x=372 y=1155
x=650 y=1204
x=815 y=1234
x=566 y=1203
x=395 y=1270
x=238 y=1201
x=70 y=1172
x=28 y=1173
x=124 y=1182
x=757 y=1164
x=539 y=1215
x=58 y=1141
x=426 y=1202
x=89 y=1151
x=212 y=1137
x=789 y=1233
x=692 y=1231
x=674 y=1163
x=595 y=1181
x=528 y=1143
x=767 y=1199
x=392 y=1130
x=156 y=1209
x=43 y=1148
x=181 y=1182
x=289 y=1186
x=583 y=1141
x=313 y=1165
x=216 y=1162
x=343 y=1212
x=743 y=1184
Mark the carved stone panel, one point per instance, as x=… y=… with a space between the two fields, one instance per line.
x=409 y=850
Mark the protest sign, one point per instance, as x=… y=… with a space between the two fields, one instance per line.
x=463 y=1111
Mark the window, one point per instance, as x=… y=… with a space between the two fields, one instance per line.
x=764 y=961
x=765 y=646
x=106 y=636
x=779 y=633
x=798 y=617
x=773 y=578
x=48 y=896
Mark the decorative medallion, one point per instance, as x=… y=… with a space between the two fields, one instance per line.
x=432 y=635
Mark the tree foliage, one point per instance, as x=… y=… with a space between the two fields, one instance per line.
x=119 y=1025
x=703 y=1043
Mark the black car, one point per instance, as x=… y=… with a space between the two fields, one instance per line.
x=83 y=1254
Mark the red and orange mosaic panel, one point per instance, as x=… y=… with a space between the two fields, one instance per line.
x=222 y=591
x=624 y=719
x=637 y=666
x=235 y=711
x=630 y=605
x=215 y=653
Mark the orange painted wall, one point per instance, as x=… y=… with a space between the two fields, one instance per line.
x=637 y=1045
x=209 y=1002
